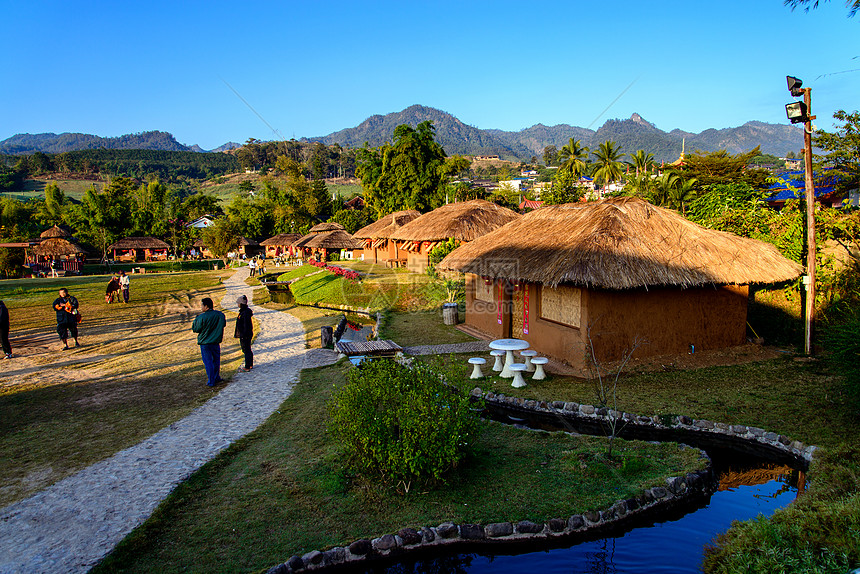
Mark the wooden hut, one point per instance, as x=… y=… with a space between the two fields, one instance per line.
x=280 y=245
x=249 y=248
x=464 y=221
x=57 y=244
x=325 y=238
x=137 y=249
x=612 y=276
x=378 y=247
x=202 y=250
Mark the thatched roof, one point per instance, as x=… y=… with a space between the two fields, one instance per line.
x=326 y=226
x=245 y=242
x=337 y=239
x=466 y=221
x=619 y=243
x=139 y=243
x=55 y=231
x=200 y=243
x=282 y=239
x=383 y=227
x=57 y=246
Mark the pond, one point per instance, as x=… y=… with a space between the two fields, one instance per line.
x=674 y=545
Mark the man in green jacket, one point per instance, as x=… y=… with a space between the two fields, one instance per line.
x=209 y=326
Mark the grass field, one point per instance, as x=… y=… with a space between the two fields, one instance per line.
x=138 y=370
x=283 y=490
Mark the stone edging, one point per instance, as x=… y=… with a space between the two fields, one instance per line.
x=679 y=428
x=677 y=491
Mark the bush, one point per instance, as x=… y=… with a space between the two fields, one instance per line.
x=403 y=424
x=842 y=341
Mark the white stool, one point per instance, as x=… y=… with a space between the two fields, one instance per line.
x=476 y=370
x=539 y=362
x=527 y=355
x=517 y=369
x=499 y=364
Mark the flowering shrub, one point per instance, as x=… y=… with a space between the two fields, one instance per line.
x=402 y=423
x=345 y=273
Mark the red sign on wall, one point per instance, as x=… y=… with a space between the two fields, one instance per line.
x=525 y=309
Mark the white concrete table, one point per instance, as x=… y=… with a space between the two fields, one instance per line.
x=509 y=346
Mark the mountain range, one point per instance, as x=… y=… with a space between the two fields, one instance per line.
x=456 y=137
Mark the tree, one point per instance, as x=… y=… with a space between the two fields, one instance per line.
x=198 y=205
x=565 y=189
x=682 y=194
x=843 y=146
x=104 y=217
x=50 y=212
x=574 y=158
x=550 y=153
x=852 y=5
x=222 y=237
x=720 y=167
x=410 y=175
x=609 y=165
x=641 y=161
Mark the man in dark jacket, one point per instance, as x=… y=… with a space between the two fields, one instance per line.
x=209 y=326
x=245 y=332
x=4 y=331
x=66 y=307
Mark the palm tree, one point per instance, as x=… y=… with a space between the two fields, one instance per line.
x=641 y=161
x=609 y=163
x=574 y=158
x=683 y=193
x=664 y=187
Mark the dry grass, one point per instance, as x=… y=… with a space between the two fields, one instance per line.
x=138 y=370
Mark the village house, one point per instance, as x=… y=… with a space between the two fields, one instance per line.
x=609 y=277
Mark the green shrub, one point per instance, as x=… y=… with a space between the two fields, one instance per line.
x=399 y=423
x=842 y=341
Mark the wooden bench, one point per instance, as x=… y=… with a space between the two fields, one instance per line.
x=369 y=348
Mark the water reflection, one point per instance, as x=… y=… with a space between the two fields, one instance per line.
x=674 y=546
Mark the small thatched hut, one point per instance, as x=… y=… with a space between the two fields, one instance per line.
x=376 y=237
x=614 y=275
x=249 y=247
x=139 y=249
x=464 y=221
x=280 y=245
x=326 y=238
x=54 y=232
x=200 y=249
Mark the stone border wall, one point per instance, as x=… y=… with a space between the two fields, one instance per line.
x=679 y=490
x=700 y=433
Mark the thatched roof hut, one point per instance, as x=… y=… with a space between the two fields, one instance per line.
x=139 y=243
x=466 y=221
x=55 y=231
x=621 y=243
x=383 y=227
x=54 y=247
x=325 y=227
x=337 y=239
x=612 y=277
x=282 y=239
x=139 y=249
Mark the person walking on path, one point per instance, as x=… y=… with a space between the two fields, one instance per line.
x=54 y=266
x=245 y=332
x=125 y=285
x=68 y=316
x=209 y=326
x=252 y=266
x=4 y=331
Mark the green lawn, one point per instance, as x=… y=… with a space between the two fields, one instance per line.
x=283 y=490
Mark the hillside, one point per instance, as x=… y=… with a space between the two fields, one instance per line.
x=632 y=134
x=52 y=143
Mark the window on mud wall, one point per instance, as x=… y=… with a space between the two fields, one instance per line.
x=561 y=305
x=485 y=289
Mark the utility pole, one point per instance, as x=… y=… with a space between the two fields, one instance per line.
x=801 y=112
x=811 y=249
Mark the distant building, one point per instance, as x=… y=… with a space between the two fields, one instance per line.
x=487 y=157
x=792 y=185
x=793 y=163
x=202 y=222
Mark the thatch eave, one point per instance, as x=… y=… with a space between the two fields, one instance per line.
x=619 y=244
x=465 y=221
x=383 y=227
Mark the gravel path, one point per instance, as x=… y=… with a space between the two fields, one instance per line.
x=70 y=526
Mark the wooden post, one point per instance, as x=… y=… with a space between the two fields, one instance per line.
x=810 y=225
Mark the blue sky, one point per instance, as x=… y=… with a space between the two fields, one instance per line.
x=309 y=68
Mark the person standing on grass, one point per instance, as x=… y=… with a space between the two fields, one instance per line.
x=125 y=285
x=4 y=331
x=245 y=332
x=66 y=307
x=209 y=326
